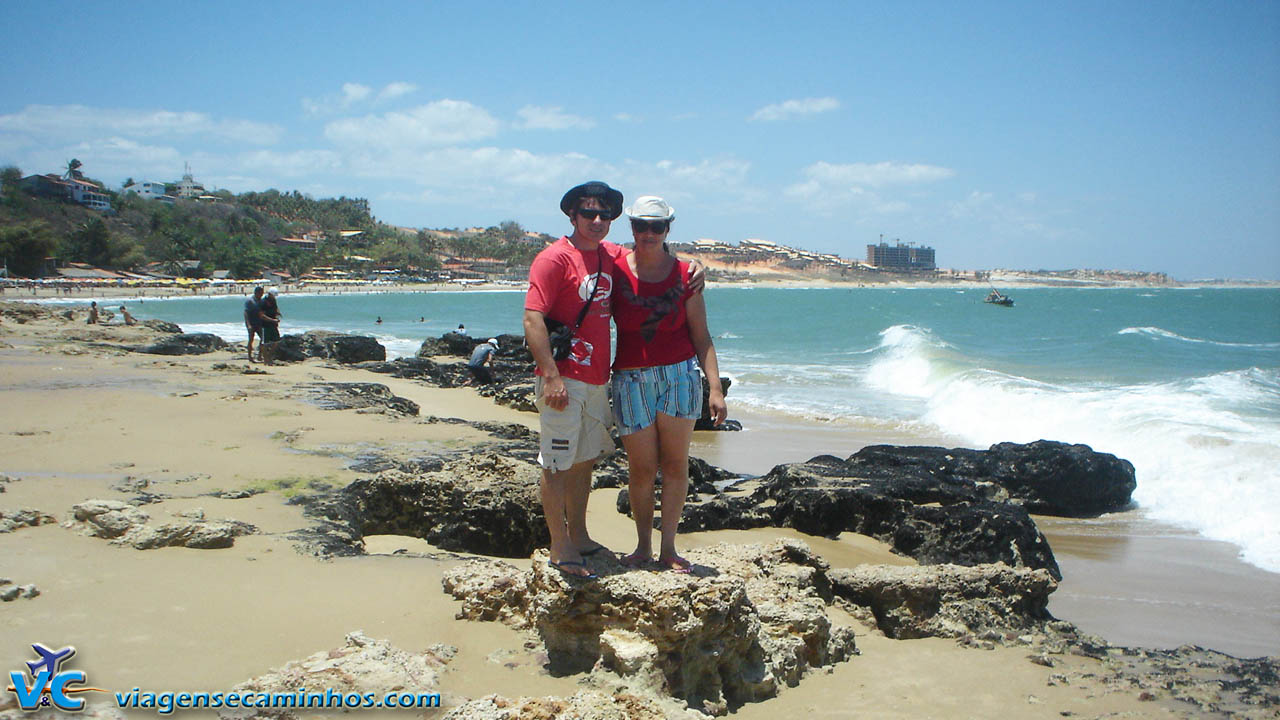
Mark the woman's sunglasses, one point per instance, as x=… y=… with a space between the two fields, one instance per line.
x=591 y=214
x=657 y=227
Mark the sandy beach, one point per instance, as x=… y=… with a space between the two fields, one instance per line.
x=86 y=420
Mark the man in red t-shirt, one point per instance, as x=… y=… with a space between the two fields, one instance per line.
x=572 y=393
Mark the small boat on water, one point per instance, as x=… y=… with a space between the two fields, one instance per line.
x=995 y=297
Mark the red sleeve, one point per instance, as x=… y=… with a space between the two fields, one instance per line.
x=545 y=280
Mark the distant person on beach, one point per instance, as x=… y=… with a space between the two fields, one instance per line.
x=462 y=330
x=481 y=357
x=657 y=391
x=270 y=314
x=253 y=319
x=378 y=321
x=128 y=319
x=93 y=313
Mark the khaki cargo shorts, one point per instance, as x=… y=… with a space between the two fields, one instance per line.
x=578 y=433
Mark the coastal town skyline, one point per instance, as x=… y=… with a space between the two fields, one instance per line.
x=1004 y=136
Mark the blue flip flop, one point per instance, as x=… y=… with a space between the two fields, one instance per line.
x=572 y=564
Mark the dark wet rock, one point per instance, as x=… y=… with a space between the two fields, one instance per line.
x=358 y=396
x=516 y=394
x=914 y=512
x=510 y=347
x=451 y=343
x=482 y=503
x=346 y=349
x=162 y=326
x=185 y=344
x=1045 y=477
x=704 y=422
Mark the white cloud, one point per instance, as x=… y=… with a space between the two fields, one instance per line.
x=875 y=175
x=1016 y=218
x=470 y=169
x=395 y=90
x=353 y=94
x=534 y=117
x=626 y=117
x=43 y=124
x=441 y=123
x=301 y=163
x=792 y=108
x=829 y=186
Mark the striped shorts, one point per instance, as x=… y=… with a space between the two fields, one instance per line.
x=639 y=394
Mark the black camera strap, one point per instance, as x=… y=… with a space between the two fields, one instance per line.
x=591 y=296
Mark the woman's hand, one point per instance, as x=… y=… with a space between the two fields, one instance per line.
x=717 y=407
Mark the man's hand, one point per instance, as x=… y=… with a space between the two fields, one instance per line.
x=535 y=336
x=698 y=275
x=554 y=393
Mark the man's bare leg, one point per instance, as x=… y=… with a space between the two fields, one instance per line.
x=565 y=507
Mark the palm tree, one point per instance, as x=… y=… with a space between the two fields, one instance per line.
x=73 y=170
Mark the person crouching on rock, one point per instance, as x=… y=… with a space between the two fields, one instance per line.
x=657 y=392
x=480 y=357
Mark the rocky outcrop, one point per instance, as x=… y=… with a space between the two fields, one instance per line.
x=162 y=326
x=747 y=622
x=10 y=591
x=358 y=396
x=947 y=600
x=510 y=347
x=363 y=667
x=483 y=503
x=1045 y=477
x=11 y=520
x=965 y=507
x=346 y=349
x=126 y=524
x=185 y=344
x=585 y=704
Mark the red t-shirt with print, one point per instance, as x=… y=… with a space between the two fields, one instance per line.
x=559 y=280
x=653 y=328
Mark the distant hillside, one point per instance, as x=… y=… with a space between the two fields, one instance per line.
x=242 y=234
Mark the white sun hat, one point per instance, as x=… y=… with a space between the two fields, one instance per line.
x=651 y=207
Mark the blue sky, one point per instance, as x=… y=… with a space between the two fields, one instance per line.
x=1005 y=135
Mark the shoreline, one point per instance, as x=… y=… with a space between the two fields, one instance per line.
x=90 y=421
x=84 y=292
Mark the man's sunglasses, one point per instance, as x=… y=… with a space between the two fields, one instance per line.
x=657 y=227
x=593 y=214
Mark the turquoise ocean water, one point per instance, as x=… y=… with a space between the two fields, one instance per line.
x=1184 y=383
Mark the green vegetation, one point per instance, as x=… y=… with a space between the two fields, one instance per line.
x=292 y=485
x=238 y=233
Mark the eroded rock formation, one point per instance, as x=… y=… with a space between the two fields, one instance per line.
x=125 y=524
x=748 y=621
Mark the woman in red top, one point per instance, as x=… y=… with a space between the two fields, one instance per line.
x=657 y=392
